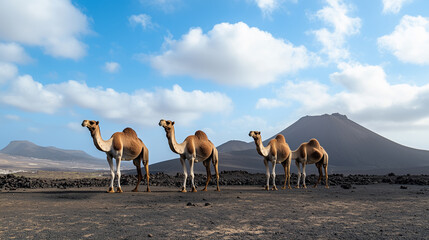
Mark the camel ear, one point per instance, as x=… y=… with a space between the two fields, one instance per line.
x=96 y=123
x=172 y=123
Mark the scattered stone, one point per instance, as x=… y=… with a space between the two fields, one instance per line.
x=191 y=204
x=346 y=186
x=150 y=235
x=207 y=204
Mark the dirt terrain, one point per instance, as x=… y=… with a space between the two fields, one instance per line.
x=373 y=211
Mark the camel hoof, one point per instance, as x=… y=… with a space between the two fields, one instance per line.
x=305 y=187
x=194 y=189
x=217 y=189
x=283 y=188
x=183 y=190
x=148 y=190
x=315 y=186
x=274 y=188
x=326 y=187
x=204 y=190
x=110 y=190
x=267 y=188
x=119 y=190
x=289 y=187
x=135 y=190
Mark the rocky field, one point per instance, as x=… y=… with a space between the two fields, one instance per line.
x=13 y=182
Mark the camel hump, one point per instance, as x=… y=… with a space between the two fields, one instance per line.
x=201 y=135
x=281 y=138
x=130 y=132
x=313 y=143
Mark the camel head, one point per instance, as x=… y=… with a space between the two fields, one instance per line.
x=167 y=125
x=90 y=124
x=256 y=135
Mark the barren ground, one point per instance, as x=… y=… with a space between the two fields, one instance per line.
x=237 y=212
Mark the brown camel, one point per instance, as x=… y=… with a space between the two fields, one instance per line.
x=123 y=145
x=277 y=151
x=195 y=148
x=309 y=153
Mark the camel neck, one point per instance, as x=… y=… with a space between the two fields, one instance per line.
x=174 y=146
x=263 y=151
x=99 y=143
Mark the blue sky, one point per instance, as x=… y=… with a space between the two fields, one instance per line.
x=226 y=67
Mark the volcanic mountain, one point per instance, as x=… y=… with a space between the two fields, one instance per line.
x=27 y=155
x=351 y=148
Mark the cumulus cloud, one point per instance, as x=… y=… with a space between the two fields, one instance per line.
x=12 y=52
x=141 y=107
x=268 y=103
x=393 y=6
x=335 y=14
x=143 y=20
x=232 y=54
x=53 y=25
x=112 y=67
x=267 y=6
x=29 y=95
x=7 y=72
x=409 y=42
x=366 y=96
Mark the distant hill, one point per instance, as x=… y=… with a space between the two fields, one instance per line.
x=25 y=155
x=351 y=148
x=29 y=149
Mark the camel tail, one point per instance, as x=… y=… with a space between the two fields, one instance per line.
x=325 y=157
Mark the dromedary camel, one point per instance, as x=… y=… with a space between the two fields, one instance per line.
x=277 y=151
x=309 y=153
x=195 y=148
x=123 y=145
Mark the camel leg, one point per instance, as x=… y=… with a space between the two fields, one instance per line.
x=216 y=167
x=182 y=161
x=139 y=173
x=285 y=168
x=299 y=173
x=326 y=175
x=319 y=167
x=146 y=166
x=303 y=176
x=118 y=173
x=207 y=165
x=267 y=187
x=273 y=174
x=191 y=167
x=112 y=174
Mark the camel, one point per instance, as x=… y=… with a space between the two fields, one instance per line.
x=277 y=151
x=195 y=148
x=123 y=145
x=309 y=153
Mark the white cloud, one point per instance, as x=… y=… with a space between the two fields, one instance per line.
x=232 y=54
x=12 y=117
x=7 y=72
x=267 y=6
x=409 y=42
x=141 y=107
x=268 y=103
x=393 y=6
x=336 y=15
x=12 y=52
x=53 y=25
x=367 y=96
x=143 y=20
x=29 y=95
x=112 y=67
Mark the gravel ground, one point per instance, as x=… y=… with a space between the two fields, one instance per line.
x=355 y=207
x=376 y=211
